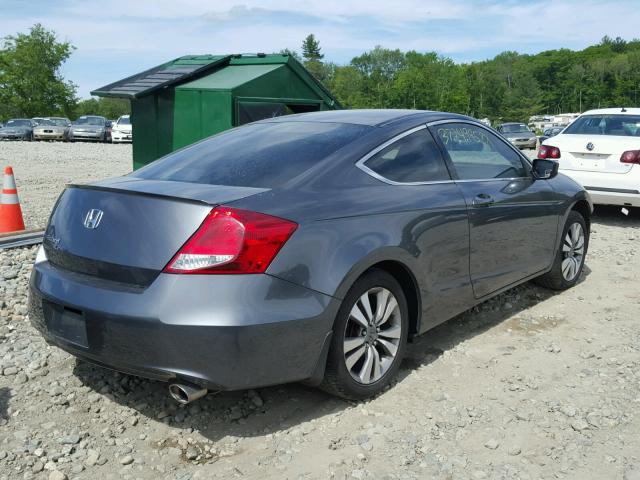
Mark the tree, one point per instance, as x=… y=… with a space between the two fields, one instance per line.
x=291 y=53
x=31 y=83
x=110 y=108
x=311 y=49
x=313 y=59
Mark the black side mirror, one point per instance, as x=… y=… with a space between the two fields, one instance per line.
x=544 y=169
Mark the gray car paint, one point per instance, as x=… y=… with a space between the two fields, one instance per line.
x=241 y=331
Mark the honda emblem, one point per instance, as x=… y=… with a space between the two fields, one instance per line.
x=92 y=219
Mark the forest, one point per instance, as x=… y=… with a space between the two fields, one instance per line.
x=509 y=87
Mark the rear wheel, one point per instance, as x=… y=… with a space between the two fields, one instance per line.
x=569 y=260
x=369 y=338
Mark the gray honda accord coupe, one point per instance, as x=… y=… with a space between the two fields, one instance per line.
x=308 y=247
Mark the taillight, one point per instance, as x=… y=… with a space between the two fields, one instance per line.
x=631 y=156
x=231 y=240
x=547 y=151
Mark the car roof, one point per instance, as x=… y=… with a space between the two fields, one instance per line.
x=610 y=111
x=512 y=123
x=370 y=117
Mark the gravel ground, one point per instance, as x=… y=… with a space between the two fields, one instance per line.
x=531 y=385
x=42 y=169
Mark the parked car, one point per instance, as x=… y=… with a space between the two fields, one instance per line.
x=17 y=129
x=122 y=130
x=52 y=128
x=601 y=150
x=550 y=132
x=89 y=127
x=304 y=247
x=519 y=135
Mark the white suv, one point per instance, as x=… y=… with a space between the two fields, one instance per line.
x=121 y=130
x=601 y=151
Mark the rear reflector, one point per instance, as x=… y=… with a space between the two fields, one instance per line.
x=631 y=156
x=547 y=151
x=232 y=241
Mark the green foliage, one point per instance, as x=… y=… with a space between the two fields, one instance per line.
x=311 y=49
x=292 y=53
x=510 y=87
x=110 y=108
x=30 y=80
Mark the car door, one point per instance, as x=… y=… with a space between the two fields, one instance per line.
x=431 y=207
x=512 y=217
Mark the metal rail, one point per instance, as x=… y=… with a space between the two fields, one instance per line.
x=21 y=239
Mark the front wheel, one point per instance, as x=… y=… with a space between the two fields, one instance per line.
x=569 y=261
x=369 y=338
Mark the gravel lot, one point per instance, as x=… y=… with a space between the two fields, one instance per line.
x=42 y=169
x=530 y=385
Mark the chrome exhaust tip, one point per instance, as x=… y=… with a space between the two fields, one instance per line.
x=186 y=392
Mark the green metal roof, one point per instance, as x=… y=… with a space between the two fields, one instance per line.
x=230 y=77
x=230 y=71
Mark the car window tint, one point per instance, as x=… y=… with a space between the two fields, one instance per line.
x=414 y=158
x=606 y=124
x=477 y=153
x=255 y=155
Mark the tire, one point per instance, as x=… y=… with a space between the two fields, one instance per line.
x=570 y=247
x=377 y=343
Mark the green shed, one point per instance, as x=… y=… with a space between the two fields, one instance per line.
x=193 y=97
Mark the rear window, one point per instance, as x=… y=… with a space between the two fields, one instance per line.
x=618 y=125
x=257 y=155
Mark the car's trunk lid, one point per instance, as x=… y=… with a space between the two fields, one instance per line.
x=594 y=153
x=126 y=229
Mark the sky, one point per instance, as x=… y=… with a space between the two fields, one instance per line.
x=115 y=39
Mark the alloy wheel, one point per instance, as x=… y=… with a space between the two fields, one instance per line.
x=372 y=335
x=572 y=252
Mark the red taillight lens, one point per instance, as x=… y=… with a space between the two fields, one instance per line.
x=232 y=241
x=631 y=156
x=547 y=151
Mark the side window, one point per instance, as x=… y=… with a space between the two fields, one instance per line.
x=414 y=158
x=477 y=153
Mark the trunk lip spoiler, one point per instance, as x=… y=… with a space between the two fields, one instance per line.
x=144 y=194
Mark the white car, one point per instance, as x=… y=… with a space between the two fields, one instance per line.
x=121 y=130
x=601 y=151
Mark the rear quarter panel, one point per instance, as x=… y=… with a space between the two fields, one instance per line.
x=343 y=232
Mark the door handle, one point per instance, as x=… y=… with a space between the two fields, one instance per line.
x=483 y=200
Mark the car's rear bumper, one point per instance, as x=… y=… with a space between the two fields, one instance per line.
x=609 y=188
x=225 y=332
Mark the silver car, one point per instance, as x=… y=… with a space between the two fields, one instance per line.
x=89 y=127
x=519 y=135
x=52 y=128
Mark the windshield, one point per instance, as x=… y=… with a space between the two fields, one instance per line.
x=58 y=122
x=90 y=121
x=256 y=155
x=124 y=121
x=618 y=125
x=515 y=128
x=18 y=123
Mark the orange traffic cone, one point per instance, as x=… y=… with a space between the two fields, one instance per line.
x=10 y=211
